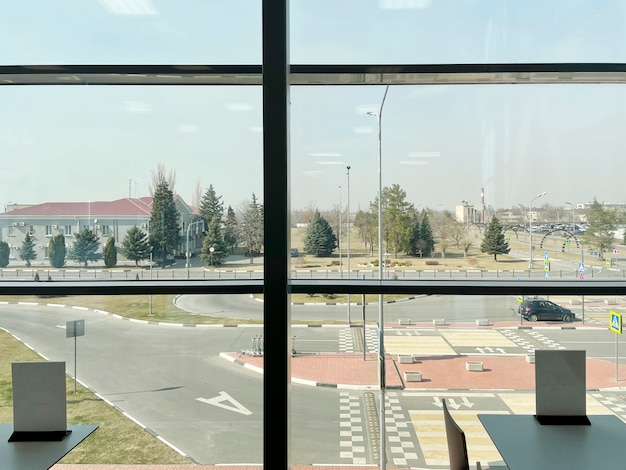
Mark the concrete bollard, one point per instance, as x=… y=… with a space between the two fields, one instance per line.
x=474 y=366
x=413 y=376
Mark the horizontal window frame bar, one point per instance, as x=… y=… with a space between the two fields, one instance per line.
x=413 y=287
x=373 y=74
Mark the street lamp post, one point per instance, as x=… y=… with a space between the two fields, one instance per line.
x=211 y=250
x=348 y=224
x=381 y=343
x=150 y=302
x=187 y=253
x=530 y=226
x=573 y=217
x=339 y=243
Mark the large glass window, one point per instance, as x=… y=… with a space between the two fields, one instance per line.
x=447 y=216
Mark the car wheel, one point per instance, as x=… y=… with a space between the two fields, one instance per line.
x=533 y=317
x=567 y=317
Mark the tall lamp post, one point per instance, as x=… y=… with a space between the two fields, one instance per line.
x=187 y=253
x=381 y=343
x=573 y=217
x=348 y=224
x=340 y=258
x=530 y=226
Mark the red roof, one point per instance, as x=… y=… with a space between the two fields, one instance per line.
x=127 y=207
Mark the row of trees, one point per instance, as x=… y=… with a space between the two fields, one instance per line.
x=407 y=230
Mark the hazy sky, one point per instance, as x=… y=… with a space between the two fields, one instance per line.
x=442 y=144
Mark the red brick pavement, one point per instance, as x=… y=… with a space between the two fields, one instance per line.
x=438 y=372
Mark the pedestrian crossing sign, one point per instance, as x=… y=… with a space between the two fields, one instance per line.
x=616 y=322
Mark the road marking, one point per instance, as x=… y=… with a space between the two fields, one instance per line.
x=225 y=397
x=485 y=338
x=424 y=345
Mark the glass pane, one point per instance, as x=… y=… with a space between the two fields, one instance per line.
x=158 y=392
x=89 y=157
x=131 y=32
x=453 y=32
x=535 y=157
x=475 y=352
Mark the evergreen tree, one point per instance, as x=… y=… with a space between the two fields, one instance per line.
x=5 y=252
x=230 y=229
x=57 y=251
x=109 y=253
x=421 y=241
x=319 y=239
x=135 y=245
x=251 y=227
x=602 y=224
x=493 y=242
x=27 y=251
x=164 y=227
x=85 y=247
x=213 y=239
x=211 y=205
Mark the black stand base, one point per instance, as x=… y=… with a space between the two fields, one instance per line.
x=563 y=420
x=38 y=436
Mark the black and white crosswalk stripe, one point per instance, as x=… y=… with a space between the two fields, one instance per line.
x=615 y=404
x=519 y=340
x=545 y=340
x=352 y=433
x=351 y=340
x=398 y=426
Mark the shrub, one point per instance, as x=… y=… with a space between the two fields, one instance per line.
x=432 y=262
x=473 y=261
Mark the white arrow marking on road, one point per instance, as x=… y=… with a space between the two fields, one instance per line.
x=466 y=402
x=223 y=397
x=500 y=350
x=453 y=404
x=480 y=350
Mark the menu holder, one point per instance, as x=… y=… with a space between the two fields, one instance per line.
x=560 y=387
x=39 y=402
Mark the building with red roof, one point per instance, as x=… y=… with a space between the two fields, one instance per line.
x=105 y=218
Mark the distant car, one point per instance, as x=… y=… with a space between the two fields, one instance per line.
x=295 y=253
x=541 y=309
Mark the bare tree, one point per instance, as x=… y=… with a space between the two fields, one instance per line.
x=197 y=195
x=160 y=175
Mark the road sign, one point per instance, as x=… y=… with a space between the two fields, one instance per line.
x=74 y=328
x=507 y=239
x=581 y=267
x=608 y=262
x=616 y=251
x=581 y=276
x=616 y=322
x=568 y=241
x=546 y=266
x=547 y=275
x=546 y=255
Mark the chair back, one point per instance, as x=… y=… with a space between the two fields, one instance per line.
x=457 y=446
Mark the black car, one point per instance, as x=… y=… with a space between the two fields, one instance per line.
x=541 y=309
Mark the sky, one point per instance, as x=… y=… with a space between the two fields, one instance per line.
x=441 y=144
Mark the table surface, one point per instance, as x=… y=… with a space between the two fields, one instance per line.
x=525 y=444
x=38 y=455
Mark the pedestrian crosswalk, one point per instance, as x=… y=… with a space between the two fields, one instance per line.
x=415 y=428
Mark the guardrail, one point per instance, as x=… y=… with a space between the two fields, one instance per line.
x=143 y=274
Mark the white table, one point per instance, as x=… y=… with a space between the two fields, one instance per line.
x=38 y=455
x=525 y=444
